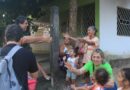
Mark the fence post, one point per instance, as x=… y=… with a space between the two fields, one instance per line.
x=54 y=54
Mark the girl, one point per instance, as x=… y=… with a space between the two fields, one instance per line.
x=101 y=78
x=73 y=61
x=123 y=79
x=63 y=51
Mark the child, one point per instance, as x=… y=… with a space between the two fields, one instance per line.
x=63 y=51
x=82 y=51
x=70 y=77
x=101 y=78
x=123 y=79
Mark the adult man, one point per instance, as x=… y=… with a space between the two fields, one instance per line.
x=23 y=23
x=23 y=60
x=27 y=39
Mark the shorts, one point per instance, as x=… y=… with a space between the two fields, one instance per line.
x=71 y=75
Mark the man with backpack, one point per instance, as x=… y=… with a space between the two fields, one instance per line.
x=23 y=60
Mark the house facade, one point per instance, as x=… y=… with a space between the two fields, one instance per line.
x=114 y=26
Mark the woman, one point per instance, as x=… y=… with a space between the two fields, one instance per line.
x=63 y=51
x=97 y=61
x=90 y=39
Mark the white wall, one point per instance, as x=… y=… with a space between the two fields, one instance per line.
x=109 y=41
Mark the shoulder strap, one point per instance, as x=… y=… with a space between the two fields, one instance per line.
x=12 y=52
x=0 y=51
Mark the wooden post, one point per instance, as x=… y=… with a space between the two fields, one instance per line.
x=55 y=43
x=73 y=17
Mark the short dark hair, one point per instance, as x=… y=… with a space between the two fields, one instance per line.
x=126 y=72
x=20 y=19
x=13 y=32
x=101 y=76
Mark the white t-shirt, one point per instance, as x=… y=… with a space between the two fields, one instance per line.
x=72 y=61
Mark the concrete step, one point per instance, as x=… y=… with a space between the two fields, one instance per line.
x=119 y=63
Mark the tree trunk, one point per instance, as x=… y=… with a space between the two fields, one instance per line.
x=73 y=17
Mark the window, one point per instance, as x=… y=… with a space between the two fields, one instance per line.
x=123 y=21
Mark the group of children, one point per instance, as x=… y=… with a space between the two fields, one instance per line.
x=75 y=57
x=100 y=77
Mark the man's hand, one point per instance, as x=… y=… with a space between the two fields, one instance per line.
x=47 y=38
x=22 y=40
x=35 y=39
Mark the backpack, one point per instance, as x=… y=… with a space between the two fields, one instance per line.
x=8 y=79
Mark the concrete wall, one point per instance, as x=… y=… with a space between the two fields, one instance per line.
x=109 y=41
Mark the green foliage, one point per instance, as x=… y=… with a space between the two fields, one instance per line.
x=35 y=28
x=1 y=35
x=37 y=8
x=84 y=2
